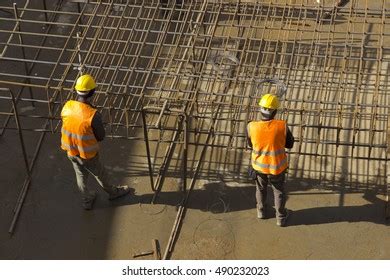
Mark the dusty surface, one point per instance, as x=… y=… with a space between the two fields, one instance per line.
x=220 y=222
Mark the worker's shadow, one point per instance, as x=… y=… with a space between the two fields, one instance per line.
x=373 y=212
x=217 y=197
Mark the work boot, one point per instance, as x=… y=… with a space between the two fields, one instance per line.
x=119 y=192
x=261 y=214
x=88 y=202
x=283 y=221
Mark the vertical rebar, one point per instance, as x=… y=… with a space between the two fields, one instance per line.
x=146 y=139
x=19 y=128
x=45 y=10
x=23 y=51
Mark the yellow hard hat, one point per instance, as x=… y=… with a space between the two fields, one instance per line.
x=85 y=83
x=269 y=101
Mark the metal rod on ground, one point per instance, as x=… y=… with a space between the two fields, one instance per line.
x=172 y=236
x=146 y=138
x=142 y=254
x=156 y=249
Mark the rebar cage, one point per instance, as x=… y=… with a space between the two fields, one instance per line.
x=209 y=59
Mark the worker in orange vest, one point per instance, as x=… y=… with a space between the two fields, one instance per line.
x=82 y=129
x=268 y=139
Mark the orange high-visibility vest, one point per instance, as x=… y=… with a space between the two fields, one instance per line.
x=268 y=142
x=77 y=137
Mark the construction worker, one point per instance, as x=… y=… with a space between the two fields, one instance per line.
x=82 y=129
x=268 y=139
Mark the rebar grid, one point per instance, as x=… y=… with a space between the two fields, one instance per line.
x=207 y=58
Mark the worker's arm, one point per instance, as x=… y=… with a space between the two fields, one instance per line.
x=249 y=142
x=97 y=126
x=289 y=139
x=248 y=137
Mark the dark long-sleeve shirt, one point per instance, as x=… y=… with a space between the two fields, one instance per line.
x=289 y=139
x=97 y=127
x=97 y=123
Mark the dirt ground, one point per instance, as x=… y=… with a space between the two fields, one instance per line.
x=220 y=221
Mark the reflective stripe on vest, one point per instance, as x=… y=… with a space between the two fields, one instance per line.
x=79 y=148
x=269 y=153
x=268 y=140
x=270 y=166
x=77 y=137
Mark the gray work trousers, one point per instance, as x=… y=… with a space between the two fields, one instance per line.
x=277 y=184
x=84 y=167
